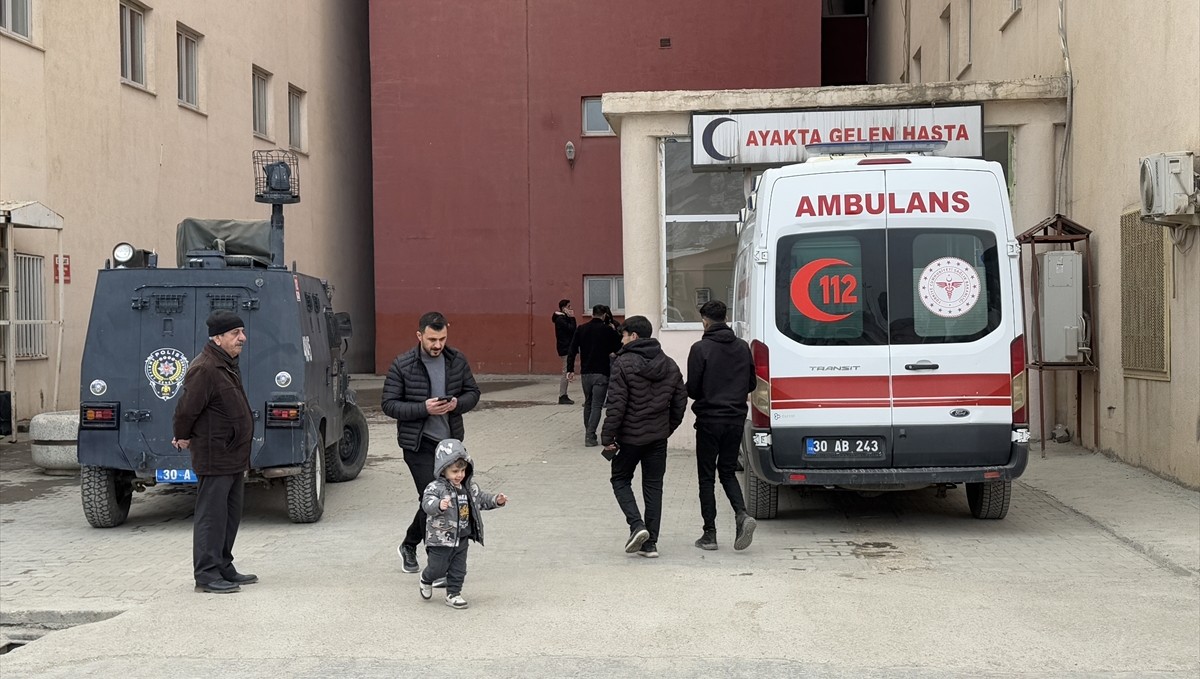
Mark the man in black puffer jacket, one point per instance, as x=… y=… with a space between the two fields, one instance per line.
x=720 y=375
x=646 y=403
x=427 y=390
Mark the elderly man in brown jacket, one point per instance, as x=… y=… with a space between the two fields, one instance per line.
x=214 y=422
x=646 y=403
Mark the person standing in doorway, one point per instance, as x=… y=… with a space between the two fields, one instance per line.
x=214 y=423
x=595 y=343
x=646 y=403
x=564 y=332
x=427 y=391
x=720 y=371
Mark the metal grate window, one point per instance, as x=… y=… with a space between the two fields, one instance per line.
x=30 y=291
x=226 y=302
x=1145 y=321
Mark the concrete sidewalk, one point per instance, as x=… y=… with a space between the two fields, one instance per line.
x=1095 y=572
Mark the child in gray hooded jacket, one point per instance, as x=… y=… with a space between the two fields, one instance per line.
x=452 y=504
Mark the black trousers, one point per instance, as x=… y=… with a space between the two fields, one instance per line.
x=449 y=563
x=653 y=458
x=595 y=390
x=215 y=525
x=420 y=465
x=717 y=454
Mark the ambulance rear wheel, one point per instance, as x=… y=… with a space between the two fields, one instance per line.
x=107 y=494
x=989 y=500
x=306 y=490
x=345 y=459
x=762 y=498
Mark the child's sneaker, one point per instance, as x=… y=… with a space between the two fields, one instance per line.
x=455 y=601
x=440 y=583
x=426 y=590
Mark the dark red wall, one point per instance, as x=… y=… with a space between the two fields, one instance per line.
x=477 y=212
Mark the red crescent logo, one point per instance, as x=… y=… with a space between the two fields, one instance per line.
x=801 y=283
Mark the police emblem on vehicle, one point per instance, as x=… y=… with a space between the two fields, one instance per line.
x=165 y=369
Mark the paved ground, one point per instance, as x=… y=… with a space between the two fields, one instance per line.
x=1095 y=572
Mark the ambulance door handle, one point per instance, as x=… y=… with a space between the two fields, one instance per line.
x=923 y=365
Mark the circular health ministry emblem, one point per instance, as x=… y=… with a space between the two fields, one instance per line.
x=949 y=287
x=165 y=369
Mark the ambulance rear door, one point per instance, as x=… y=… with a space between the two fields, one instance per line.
x=825 y=323
x=951 y=326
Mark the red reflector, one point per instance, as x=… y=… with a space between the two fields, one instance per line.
x=94 y=414
x=797 y=477
x=991 y=475
x=885 y=161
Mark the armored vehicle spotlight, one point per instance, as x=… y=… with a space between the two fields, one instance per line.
x=125 y=256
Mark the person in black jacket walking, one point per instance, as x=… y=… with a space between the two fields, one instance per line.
x=646 y=403
x=564 y=332
x=720 y=375
x=427 y=390
x=595 y=343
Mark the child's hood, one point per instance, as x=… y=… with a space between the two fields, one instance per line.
x=447 y=452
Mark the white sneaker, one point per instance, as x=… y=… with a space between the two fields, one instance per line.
x=455 y=601
x=426 y=591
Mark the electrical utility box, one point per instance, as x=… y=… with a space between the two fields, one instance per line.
x=1060 y=299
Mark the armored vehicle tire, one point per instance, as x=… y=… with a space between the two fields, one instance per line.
x=306 y=490
x=106 y=495
x=345 y=459
x=989 y=500
x=762 y=498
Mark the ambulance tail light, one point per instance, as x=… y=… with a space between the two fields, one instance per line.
x=1019 y=382
x=760 y=398
x=885 y=161
x=99 y=415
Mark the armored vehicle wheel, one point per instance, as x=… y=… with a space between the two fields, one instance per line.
x=345 y=459
x=762 y=498
x=106 y=495
x=989 y=500
x=306 y=490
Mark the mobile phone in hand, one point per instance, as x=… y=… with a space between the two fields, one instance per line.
x=609 y=454
x=445 y=399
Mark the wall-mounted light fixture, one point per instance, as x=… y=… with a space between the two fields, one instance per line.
x=570 y=151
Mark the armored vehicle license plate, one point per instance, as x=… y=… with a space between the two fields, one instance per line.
x=175 y=476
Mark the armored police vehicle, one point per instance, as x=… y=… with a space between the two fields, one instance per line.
x=147 y=323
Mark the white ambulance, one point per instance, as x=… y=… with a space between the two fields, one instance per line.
x=881 y=297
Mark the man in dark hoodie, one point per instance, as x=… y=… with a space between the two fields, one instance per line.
x=213 y=421
x=595 y=342
x=646 y=403
x=564 y=332
x=720 y=375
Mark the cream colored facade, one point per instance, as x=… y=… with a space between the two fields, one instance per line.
x=1136 y=73
x=126 y=162
x=1132 y=97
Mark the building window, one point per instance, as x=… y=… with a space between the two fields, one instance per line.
x=594 y=123
x=699 y=233
x=31 y=306
x=997 y=147
x=262 y=80
x=186 y=49
x=606 y=290
x=296 y=117
x=1145 y=319
x=133 y=43
x=14 y=17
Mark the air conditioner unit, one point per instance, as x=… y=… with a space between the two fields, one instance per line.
x=1168 y=188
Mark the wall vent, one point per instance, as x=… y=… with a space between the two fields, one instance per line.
x=1145 y=320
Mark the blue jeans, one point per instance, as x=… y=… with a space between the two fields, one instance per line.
x=595 y=389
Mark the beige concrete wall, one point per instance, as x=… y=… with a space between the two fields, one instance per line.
x=1136 y=69
x=120 y=162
